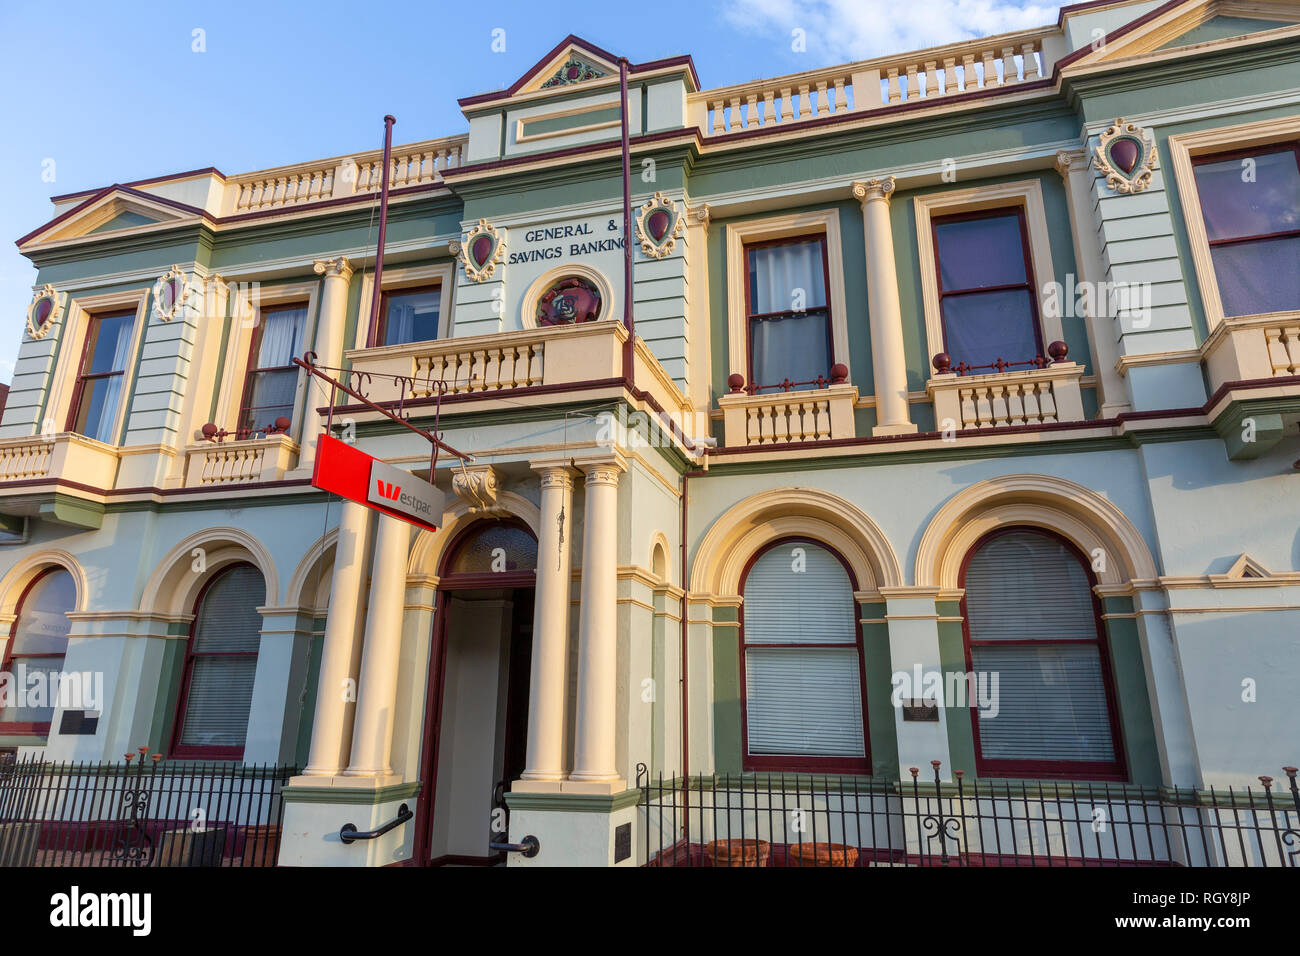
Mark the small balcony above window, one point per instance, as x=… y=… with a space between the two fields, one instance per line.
x=819 y=410
x=1038 y=391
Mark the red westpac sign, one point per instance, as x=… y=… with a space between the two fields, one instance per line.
x=349 y=472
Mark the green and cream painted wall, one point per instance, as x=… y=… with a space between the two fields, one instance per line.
x=1145 y=461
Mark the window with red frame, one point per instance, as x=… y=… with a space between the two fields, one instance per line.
x=37 y=644
x=97 y=397
x=220 y=664
x=802 y=681
x=1250 y=201
x=788 y=316
x=272 y=381
x=987 y=299
x=1031 y=619
x=409 y=315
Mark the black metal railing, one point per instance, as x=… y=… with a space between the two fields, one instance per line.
x=775 y=819
x=143 y=811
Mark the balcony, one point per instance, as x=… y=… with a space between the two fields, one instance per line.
x=1253 y=365
x=1252 y=350
x=1043 y=394
x=65 y=455
x=244 y=461
x=821 y=413
x=550 y=363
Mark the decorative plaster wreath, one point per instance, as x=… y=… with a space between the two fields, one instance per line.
x=1124 y=157
x=659 y=223
x=43 y=312
x=481 y=252
x=170 y=293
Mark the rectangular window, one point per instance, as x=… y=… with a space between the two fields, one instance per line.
x=986 y=289
x=1250 y=202
x=272 y=377
x=788 y=315
x=409 y=315
x=97 y=398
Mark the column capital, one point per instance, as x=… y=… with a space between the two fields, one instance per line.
x=604 y=470
x=339 y=268
x=1069 y=160
x=865 y=191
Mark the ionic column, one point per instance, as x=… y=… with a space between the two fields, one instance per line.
x=372 y=737
x=549 y=681
x=329 y=343
x=341 y=651
x=594 y=757
x=888 y=363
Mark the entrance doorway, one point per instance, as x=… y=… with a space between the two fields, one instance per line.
x=476 y=714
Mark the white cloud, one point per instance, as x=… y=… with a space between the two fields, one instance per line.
x=845 y=30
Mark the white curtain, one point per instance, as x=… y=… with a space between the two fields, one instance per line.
x=776 y=272
x=788 y=278
x=112 y=386
x=281 y=335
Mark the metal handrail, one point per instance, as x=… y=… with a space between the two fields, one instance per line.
x=349 y=833
x=530 y=847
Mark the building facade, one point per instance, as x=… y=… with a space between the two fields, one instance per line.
x=956 y=421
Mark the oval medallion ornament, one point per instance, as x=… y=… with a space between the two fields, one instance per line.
x=482 y=251
x=658 y=224
x=569 y=301
x=43 y=312
x=170 y=293
x=1124 y=157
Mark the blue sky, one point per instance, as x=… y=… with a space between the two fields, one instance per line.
x=116 y=92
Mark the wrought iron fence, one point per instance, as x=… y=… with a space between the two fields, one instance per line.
x=798 y=820
x=141 y=812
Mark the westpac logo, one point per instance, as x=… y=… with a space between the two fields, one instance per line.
x=74 y=909
x=389 y=490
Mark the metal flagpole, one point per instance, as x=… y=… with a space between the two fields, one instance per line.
x=373 y=330
x=629 y=367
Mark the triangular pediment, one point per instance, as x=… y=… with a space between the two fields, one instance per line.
x=115 y=209
x=572 y=63
x=1246 y=567
x=1195 y=23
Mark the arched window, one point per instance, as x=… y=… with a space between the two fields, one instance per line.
x=801 y=662
x=493 y=551
x=220 y=664
x=34 y=655
x=1031 y=620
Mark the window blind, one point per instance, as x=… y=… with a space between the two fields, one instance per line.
x=227 y=633
x=1052 y=704
x=801 y=701
x=1028 y=586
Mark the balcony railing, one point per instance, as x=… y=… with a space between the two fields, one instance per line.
x=983 y=64
x=583 y=355
x=304 y=183
x=801 y=412
x=84 y=459
x=1045 y=392
x=1247 y=350
x=244 y=461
